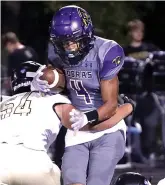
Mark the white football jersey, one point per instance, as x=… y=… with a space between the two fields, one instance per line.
x=29 y=118
x=3 y=98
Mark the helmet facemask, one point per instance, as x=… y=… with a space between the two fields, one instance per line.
x=73 y=50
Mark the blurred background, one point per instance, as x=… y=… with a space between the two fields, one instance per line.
x=137 y=26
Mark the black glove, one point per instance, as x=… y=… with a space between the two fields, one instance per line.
x=128 y=100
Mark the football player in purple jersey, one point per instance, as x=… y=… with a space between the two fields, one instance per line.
x=91 y=65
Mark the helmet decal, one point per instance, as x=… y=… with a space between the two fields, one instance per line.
x=85 y=17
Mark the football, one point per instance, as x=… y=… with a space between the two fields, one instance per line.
x=55 y=78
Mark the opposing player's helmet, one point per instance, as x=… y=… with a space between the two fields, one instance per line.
x=132 y=178
x=72 y=24
x=22 y=76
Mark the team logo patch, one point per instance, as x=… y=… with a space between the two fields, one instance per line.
x=117 y=60
x=85 y=17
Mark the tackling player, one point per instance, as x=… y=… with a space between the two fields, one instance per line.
x=26 y=132
x=91 y=65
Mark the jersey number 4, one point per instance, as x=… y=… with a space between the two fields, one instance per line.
x=77 y=86
x=23 y=108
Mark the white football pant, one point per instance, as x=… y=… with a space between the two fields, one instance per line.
x=23 y=166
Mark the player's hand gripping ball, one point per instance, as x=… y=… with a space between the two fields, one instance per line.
x=48 y=79
x=54 y=77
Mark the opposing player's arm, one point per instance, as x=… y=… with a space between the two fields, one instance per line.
x=122 y=111
x=63 y=110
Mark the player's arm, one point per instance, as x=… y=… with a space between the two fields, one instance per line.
x=112 y=61
x=109 y=92
x=63 y=112
x=121 y=112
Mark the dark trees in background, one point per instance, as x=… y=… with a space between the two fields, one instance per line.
x=31 y=20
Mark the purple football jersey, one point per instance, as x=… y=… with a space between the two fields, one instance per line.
x=103 y=62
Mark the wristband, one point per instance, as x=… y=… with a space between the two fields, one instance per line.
x=92 y=117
